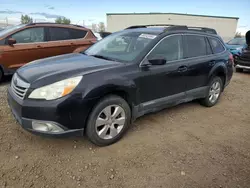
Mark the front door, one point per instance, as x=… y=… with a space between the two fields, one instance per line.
x=161 y=84
x=27 y=48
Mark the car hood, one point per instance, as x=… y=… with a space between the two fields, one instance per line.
x=62 y=67
x=233 y=47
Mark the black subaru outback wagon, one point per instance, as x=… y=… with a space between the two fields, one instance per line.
x=136 y=71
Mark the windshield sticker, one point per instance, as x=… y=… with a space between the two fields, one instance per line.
x=147 y=36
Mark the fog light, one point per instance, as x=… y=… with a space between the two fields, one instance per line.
x=46 y=127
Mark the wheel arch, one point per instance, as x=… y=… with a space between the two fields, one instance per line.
x=126 y=91
x=220 y=71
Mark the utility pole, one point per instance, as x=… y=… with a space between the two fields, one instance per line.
x=7 y=21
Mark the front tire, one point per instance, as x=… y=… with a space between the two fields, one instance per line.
x=213 y=93
x=108 y=121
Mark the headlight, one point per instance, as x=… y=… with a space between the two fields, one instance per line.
x=56 y=90
x=239 y=48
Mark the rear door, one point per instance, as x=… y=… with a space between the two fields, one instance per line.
x=200 y=59
x=27 y=48
x=64 y=40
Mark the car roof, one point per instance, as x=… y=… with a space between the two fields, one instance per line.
x=155 y=30
x=57 y=25
x=161 y=30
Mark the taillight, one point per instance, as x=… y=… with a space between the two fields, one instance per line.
x=231 y=60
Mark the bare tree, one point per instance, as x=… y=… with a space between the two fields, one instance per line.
x=238 y=35
x=94 y=27
x=101 y=27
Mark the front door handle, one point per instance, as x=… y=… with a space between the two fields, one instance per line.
x=182 y=69
x=211 y=63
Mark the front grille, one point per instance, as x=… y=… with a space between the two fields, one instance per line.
x=19 y=87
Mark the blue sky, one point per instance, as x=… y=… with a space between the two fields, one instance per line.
x=95 y=11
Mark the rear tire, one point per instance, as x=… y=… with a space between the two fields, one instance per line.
x=108 y=121
x=1 y=75
x=215 y=88
x=239 y=69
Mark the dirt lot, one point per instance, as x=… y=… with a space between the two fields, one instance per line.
x=185 y=146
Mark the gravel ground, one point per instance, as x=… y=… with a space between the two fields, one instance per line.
x=185 y=146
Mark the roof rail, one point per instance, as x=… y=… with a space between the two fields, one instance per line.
x=145 y=26
x=37 y=23
x=170 y=27
x=203 y=29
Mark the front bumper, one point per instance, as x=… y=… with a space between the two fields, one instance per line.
x=242 y=64
x=69 y=114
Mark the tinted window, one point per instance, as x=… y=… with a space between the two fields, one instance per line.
x=77 y=34
x=29 y=35
x=195 y=46
x=57 y=33
x=216 y=45
x=170 y=48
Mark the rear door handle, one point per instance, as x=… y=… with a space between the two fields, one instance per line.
x=39 y=46
x=211 y=63
x=182 y=69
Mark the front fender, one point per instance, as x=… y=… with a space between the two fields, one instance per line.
x=112 y=85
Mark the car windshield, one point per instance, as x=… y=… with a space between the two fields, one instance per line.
x=10 y=29
x=124 y=47
x=237 y=41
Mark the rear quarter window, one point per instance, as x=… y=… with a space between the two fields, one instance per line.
x=77 y=33
x=216 y=45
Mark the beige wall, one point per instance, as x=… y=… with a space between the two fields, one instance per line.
x=226 y=27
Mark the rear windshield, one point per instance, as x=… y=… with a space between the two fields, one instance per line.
x=10 y=29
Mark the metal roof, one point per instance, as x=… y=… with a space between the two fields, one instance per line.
x=154 y=13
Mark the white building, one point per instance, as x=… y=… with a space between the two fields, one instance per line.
x=225 y=26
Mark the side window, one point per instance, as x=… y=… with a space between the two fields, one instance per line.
x=170 y=48
x=58 y=33
x=30 y=35
x=216 y=45
x=77 y=33
x=195 y=46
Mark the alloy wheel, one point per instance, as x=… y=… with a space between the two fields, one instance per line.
x=110 y=122
x=214 y=92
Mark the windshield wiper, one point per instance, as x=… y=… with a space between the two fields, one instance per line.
x=103 y=57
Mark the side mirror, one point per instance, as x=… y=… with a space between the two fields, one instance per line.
x=11 y=41
x=157 y=60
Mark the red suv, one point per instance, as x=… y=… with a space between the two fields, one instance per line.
x=24 y=43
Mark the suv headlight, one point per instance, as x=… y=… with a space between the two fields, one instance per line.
x=56 y=90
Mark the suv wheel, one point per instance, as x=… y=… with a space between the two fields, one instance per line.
x=239 y=70
x=214 y=92
x=108 y=121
